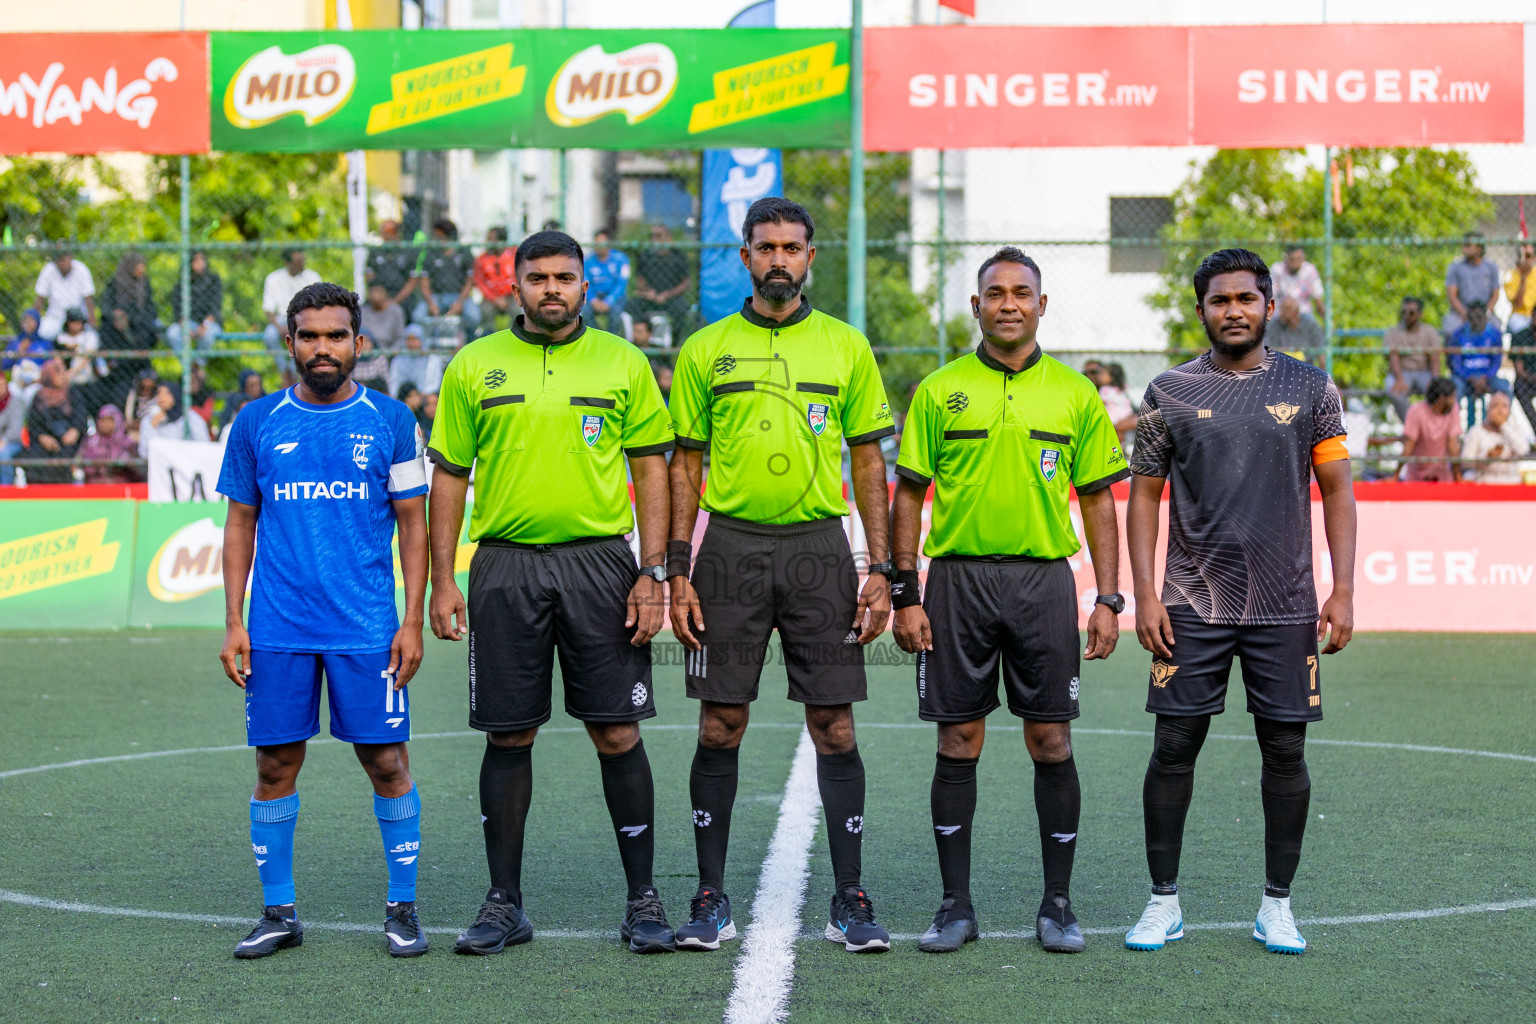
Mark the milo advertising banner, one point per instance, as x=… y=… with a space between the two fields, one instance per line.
x=65 y=564
x=547 y=88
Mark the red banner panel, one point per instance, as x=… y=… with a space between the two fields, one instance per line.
x=1357 y=85
x=89 y=92
x=958 y=87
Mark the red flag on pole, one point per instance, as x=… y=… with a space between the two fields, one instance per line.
x=965 y=7
x=1523 y=232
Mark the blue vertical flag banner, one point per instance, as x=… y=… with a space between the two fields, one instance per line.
x=733 y=180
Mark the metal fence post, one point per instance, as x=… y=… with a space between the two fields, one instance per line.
x=856 y=222
x=1328 y=260
x=186 y=280
x=939 y=270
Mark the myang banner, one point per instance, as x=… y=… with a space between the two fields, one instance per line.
x=1248 y=86
x=90 y=92
x=630 y=89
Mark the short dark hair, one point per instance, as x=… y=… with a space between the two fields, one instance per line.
x=776 y=210
x=547 y=243
x=602 y=233
x=1291 y=247
x=1473 y=237
x=497 y=232
x=1477 y=304
x=1008 y=254
x=446 y=226
x=289 y=254
x=405 y=389
x=1439 y=388
x=1230 y=261
x=1418 y=302
x=324 y=295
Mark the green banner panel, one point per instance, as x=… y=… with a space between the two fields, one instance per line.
x=65 y=564
x=534 y=88
x=178 y=577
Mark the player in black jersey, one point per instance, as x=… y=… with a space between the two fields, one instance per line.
x=1238 y=433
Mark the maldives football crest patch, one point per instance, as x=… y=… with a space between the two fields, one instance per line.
x=1048 y=459
x=816 y=416
x=591 y=429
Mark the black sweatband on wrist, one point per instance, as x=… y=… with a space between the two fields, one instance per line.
x=679 y=558
x=906 y=589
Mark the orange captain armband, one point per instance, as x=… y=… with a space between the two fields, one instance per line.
x=1331 y=450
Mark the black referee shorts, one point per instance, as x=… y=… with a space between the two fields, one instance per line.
x=798 y=578
x=527 y=601
x=1019 y=612
x=1280 y=669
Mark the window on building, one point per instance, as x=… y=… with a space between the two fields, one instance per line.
x=1136 y=222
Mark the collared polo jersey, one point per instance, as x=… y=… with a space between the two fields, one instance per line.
x=774 y=403
x=1001 y=448
x=547 y=426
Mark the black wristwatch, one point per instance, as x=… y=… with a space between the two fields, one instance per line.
x=885 y=569
x=655 y=572
x=1115 y=602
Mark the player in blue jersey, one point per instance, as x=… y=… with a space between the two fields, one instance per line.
x=318 y=476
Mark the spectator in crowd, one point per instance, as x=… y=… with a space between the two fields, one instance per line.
x=140 y=397
x=410 y=396
x=427 y=414
x=607 y=272
x=1520 y=286
x=393 y=269
x=1413 y=355
x=251 y=388
x=641 y=332
x=111 y=441
x=663 y=374
x=13 y=419
x=383 y=319
x=129 y=292
x=1295 y=278
x=1495 y=438
x=495 y=274
x=61 y=284
x=56 y=423
x=205 y=313
x=1431 y=431
x=1110 y=378
x=424 y=369
x=117 y=335
x=1473 y=278
x=278 y=290
x=76 y=342
x=202 y=400
x=662 y=279
x=450 y=270
x=372 y=369
x=167 y=419
x=25 y=355
x=1476 y=365
x=1293 y=333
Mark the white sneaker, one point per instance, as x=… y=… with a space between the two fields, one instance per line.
x=1276 y=928
x=1161 y=923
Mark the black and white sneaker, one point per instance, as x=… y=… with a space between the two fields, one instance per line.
x=403 y=929
x=645 y=925
x=1057 y=927
x=852 y=922
x=278 y=928
x=953 y=926
x=500 y=923
x=709 y=921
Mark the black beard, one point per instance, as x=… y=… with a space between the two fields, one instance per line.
x=776 y=291
x=1236 y=350
x=328 y=384
x=550 y=326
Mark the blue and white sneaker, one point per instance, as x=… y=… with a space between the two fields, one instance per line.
x=1276 y=928
x=709 y=921
x=1161 y=923
x=852 y=923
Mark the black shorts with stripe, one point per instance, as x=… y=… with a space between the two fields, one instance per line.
x=1280 y=669
x=798 y=578
x=528 y=602
x=1017 y=613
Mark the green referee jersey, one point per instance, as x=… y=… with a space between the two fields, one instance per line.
x=774 y=403
x=1000 y=448
x=547 y=426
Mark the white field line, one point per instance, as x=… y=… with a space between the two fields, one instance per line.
x=766 y=965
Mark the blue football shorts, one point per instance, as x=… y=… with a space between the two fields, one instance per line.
x=282 y=698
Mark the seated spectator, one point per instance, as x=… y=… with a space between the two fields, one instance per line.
x=56 y=423
x=13 y=419
x=1495 y=438
x=1431 y=430
x=129 y=294
x=117 y=335
x=251 y=388
x=427 y=414
x=111 y=441
x=450 y=270
x=203 y=400
x=25 y=355
x=1292 y=333
x=422 y=368
x=1520 y=286
x=1110 y=377
x=1470 y=279
x=607 y=273
x=1413 y=355
x=495 y=274
x=662 y=280
x=372 y=369
x=409 y=395
x=278 y=290
x=167 y=419
x=641 y=331
x=76 y=342
x=394 y=268
x=63 y=284
x=1295 y=278
x=205 y=312
x=1476 y=365
x=663 y=374
x=383 y=319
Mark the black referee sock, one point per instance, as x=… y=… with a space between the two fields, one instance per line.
x=506 y=790
x=840 y=777
x=953 y=800
x=1059 y=805
x=1286 y=789
x=631 y=797
x=712 y=787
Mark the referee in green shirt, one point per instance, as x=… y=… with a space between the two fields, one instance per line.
x=774 y=392
x=1000 y=434
x=547 y=413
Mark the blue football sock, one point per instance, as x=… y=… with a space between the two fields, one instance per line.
x=400 y=825
x=272 y=823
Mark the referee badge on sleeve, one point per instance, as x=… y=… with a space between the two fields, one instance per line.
x=591 y=429
x=1048 y=459
x=816 y=416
